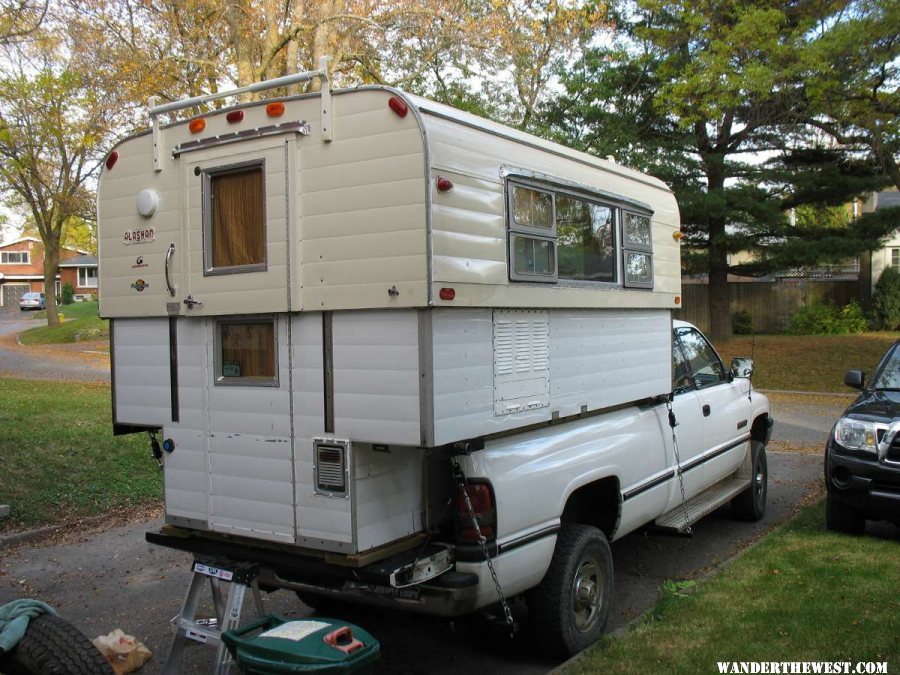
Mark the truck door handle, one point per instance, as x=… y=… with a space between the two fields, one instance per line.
x=169 y=255
x=706 y=410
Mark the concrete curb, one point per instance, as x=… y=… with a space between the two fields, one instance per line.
x=27 y=535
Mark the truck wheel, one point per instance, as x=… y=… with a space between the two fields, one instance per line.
x=842 y=518
x=569 y=608
x=53 y=646
x=750 y=505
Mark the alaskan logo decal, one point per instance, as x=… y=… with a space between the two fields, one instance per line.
x=140 y=285
x=143 y=235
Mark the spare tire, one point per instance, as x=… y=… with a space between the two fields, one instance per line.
x=53 y=646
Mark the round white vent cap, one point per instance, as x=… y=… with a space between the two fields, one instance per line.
x=148 y=203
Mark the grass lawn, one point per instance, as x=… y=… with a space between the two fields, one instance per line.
x=808 y=362
x=82 y=323
x=60 y=459
x=803 y=594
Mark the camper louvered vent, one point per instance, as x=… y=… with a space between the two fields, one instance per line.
x=331 y=467
x=521 y=360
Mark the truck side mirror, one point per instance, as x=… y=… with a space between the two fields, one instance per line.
x=742 y=367
x=855 y=379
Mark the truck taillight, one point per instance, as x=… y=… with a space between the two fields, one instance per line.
x=481 y=497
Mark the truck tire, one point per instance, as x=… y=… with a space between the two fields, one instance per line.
x=840 y=517
x=568 y=610
x=53 y=646
x=750 y=505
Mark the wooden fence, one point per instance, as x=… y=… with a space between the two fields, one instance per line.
x=771 y=304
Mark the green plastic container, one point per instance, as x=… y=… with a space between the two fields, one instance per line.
x=273 y=645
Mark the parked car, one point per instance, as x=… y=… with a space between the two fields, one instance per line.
x=32 y=300
x=862 y=455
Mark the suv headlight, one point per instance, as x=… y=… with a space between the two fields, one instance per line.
x=856 y=435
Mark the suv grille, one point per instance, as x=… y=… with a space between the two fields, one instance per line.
x=331 y=468
x=893 y=453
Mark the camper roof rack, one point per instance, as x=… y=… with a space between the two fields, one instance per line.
x=321 y=74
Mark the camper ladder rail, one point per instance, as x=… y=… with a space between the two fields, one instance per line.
x=306 y=76
x=219 y=573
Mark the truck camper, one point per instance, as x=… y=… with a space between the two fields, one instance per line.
x=402 y=355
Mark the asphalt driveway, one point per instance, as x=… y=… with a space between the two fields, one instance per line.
x=56 y=362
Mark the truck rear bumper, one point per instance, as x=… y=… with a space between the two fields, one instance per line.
x=462 y=590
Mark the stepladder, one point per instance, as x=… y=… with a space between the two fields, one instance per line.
x=228 y=582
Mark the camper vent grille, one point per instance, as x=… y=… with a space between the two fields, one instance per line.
x=331 y=468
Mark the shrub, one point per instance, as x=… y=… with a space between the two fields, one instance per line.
x=68 y=294
x=886 y=300
x=742 y=323
x=825 y=318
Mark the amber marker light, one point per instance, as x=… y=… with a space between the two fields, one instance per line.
x=275 y=109
x=197 y=125
x=677 y=299
x=678 y=235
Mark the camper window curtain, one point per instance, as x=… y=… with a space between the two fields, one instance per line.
x=237 y=218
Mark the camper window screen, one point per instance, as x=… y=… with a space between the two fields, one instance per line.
x=235 y=220
x=585 y=240
x=246 y=353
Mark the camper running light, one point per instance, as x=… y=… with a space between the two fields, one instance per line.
x=482 y=499
x=275 y=109
x=398 y=106
x=444 y=184
x=447 y=294
x=235 y=116
x=197 y=125
x=111 y=160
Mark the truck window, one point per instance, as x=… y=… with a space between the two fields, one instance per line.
x=681 y=376
x=234 y=219
x=706 y=367
x=246 y=352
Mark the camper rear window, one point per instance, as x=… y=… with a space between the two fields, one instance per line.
x=234 y=214
x=246 y=353
x=561 y=235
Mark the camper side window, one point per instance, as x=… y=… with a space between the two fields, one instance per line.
x=234 y=219
x=246 y=352
x=532 y=234
x=565 y=234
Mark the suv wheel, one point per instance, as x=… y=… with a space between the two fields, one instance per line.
x=842 y=518
x=568 y=610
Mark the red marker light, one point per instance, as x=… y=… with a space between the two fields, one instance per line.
x=398 y=105
x=275 y=109
x=447 y=294
x=444 y=184
x=197 y=125
x=235 y=116
x=111 y=160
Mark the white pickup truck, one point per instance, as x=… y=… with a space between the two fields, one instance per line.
x=548 y=501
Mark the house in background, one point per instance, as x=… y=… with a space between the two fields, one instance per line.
x=22 y=270
x=889 y=256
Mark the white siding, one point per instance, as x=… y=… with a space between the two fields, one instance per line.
x=141 y=362
x=376 y=376
x=598 y=358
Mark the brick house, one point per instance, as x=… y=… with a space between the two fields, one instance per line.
x=22 y=270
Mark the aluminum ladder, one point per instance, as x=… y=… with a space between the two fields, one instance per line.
x=228 y=582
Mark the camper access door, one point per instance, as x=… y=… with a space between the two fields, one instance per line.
x=238 y=226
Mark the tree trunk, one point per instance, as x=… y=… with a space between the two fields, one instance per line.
x=51 y=264
x=719 y=293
